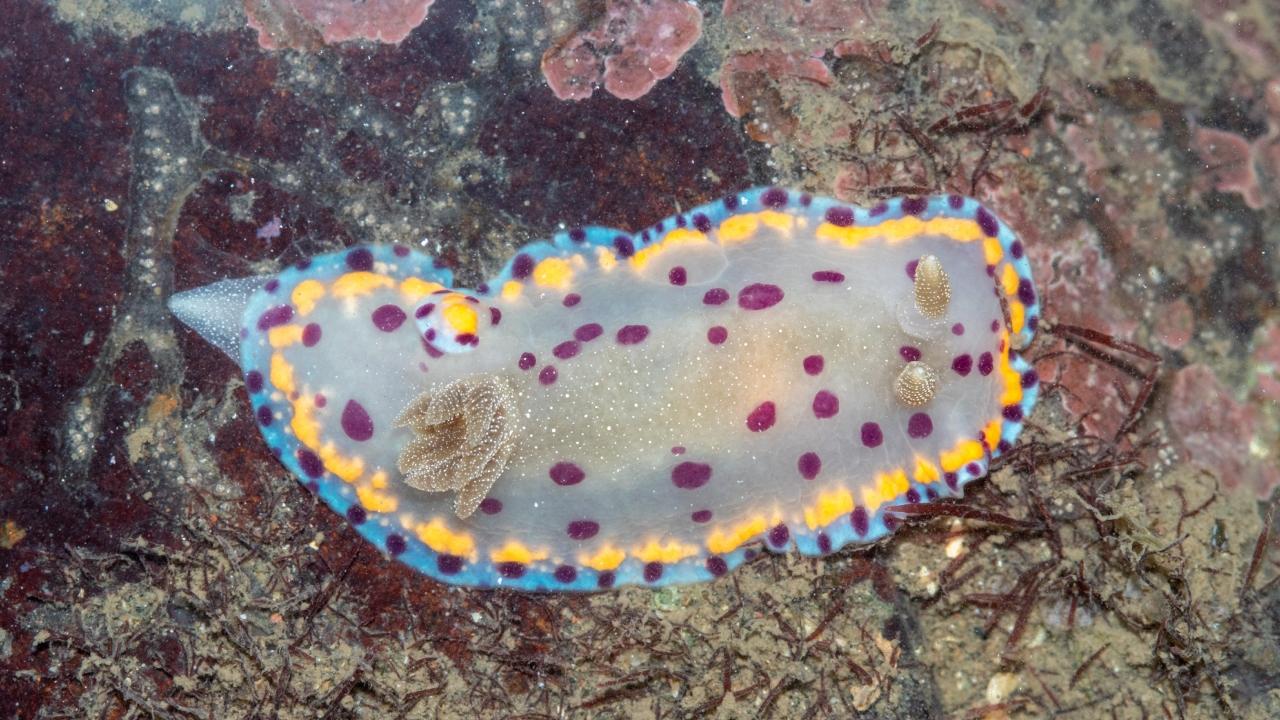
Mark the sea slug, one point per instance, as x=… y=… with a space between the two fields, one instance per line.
x=769 y=370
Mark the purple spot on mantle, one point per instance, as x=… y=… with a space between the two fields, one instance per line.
x=774 y=198
x=987 y=222
x=632 y=334
x=871 y=434
x=566 y=349
x=813 y=364
x=763 y=417
x=310 y=463
x=522 y=266
x=825 y=405
x=986 y=364
x=861 y=523
x=653 y=572
x=566 y=473
x=840 y=216
x=356 y=422
x=779 y=535
x=396 y=544
x=510 y=570
x=548 y=375
x=388 y=317
x=758 y=296
x=360 y=260
x=914 y=205
x=919 y=425
x=588 y=332
x=809 y=465
x=690 y=475
x=277 y=315
x=582 y=529
x=717 y=566
x=1025 y=292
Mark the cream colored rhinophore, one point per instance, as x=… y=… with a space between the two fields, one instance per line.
x=933 y=287
x=916 y=384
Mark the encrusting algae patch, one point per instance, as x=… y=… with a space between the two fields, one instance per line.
x=618 y=408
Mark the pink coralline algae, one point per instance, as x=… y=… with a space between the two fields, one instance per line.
x=810 y=26
x=307 y=24
x=1083 y=291
x=788 y=43
x=1123 y=161
x=1236 y=165
x=1215 y=431
x=1175 y=324
x=1246 y=29
x=740 y=72
x=1265 y=361
x=628 y=49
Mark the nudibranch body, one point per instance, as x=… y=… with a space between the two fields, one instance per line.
x=770 y=370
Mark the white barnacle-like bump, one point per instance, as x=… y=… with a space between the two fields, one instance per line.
x=916 y=384
x=464 y=434
x=932 y=286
